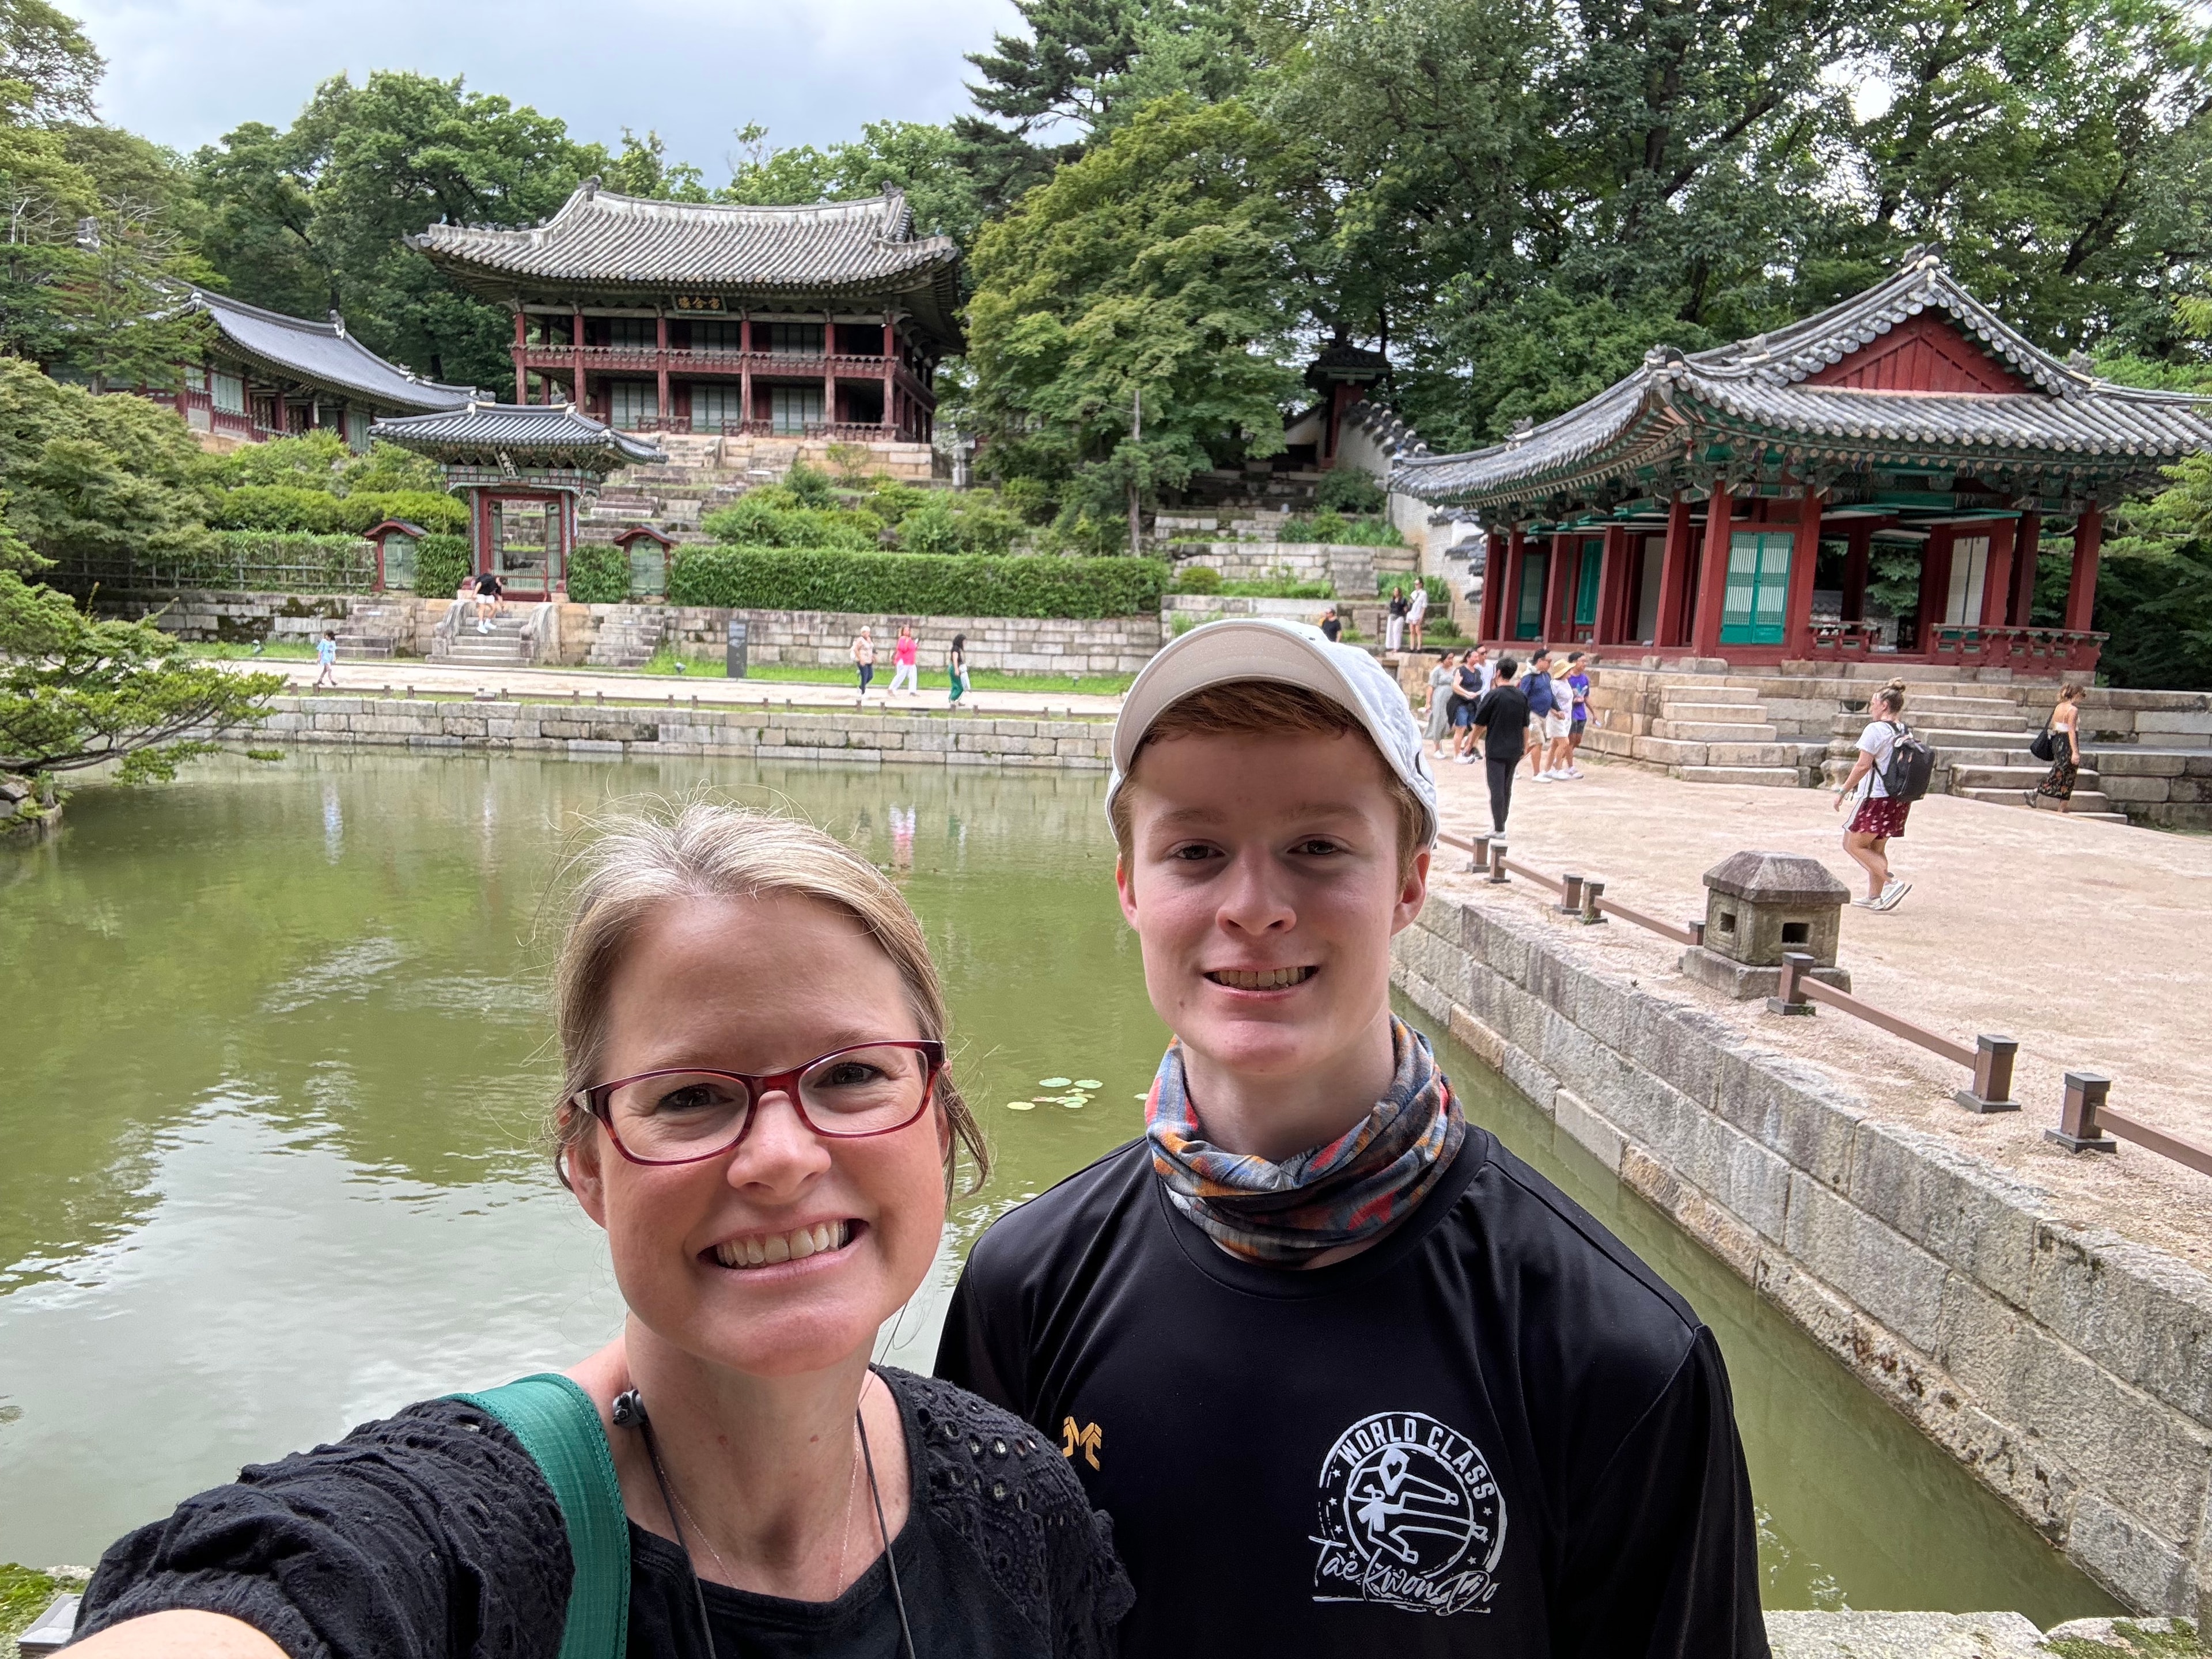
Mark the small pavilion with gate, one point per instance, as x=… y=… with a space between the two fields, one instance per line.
x=522 y=468
x=1729 y=505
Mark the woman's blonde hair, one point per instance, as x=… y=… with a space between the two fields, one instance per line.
x=640 y=861
x=1892 y=696
x=2069 y=691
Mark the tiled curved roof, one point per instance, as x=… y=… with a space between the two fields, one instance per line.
x=1755 y=387
x=320 y=354
x=551 y=433
x=600 y=240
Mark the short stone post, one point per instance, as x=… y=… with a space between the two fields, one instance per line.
x=1479 y=861
x=1790 y=997
x=1759 y=906
x=1592 y=892
x=1570 y=896
x=1696 y=926
x=1992 y=1090
x=1497 y=863
x=2077 y=1118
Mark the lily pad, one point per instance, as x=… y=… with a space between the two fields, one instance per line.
x=1087 y=1083
x=1052 y=1083
x=1021 y=1105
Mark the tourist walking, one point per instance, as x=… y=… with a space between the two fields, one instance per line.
x=727 y=1475
x=1501 y=724
x=1417 y=611
x=1393 y=632
x=905 y=654
x=489 y=595
x=1437 y=710
x=1469 y=684
x=864 y=660
x=1877 y=817
x=955 y=668
x=326 y=654
x=1578 y=686
x=1547 y=703
x=2064 y=739
x=1332 y=626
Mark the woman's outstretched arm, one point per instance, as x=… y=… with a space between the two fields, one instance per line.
x=180 y=1634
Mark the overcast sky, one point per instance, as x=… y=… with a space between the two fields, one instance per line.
x=183 y=72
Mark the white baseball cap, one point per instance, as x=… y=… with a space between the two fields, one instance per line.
x=1291 y=653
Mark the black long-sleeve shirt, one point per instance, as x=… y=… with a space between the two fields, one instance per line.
x=1496 y=1432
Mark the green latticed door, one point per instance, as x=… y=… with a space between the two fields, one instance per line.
x=1754 y=610
x=1586 y=584
x=1529 y=611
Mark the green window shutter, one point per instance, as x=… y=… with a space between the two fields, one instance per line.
x=1586 y=584
x=1529 y=616
x=1755 y=609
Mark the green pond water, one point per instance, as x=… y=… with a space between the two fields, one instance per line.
x=277 y=1060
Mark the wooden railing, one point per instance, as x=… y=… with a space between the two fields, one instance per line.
x=2087 y=1122
x=2014 y=647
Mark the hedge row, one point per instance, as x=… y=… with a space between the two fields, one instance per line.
x=440 y=562
x=598 y=574
x=1026 y=585
x=317 y=512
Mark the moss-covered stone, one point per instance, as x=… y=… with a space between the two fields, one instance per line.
x=2125 y=1639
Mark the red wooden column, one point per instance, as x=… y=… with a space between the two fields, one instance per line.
x=1612 y=588
x=1508 y=591
x=1674 y=574
x=1804 y=558
x=660 y=363
x=1996 y=580
x=829 y=368
x=576 y=357
x=2027 y=548
x=1558 y=589
x=1712 y=574
x=890 y=378
x=745 y=362
x=1857 y=561
x=1493 y=583
x=2081 y=590
x=521 y=375
x=1935 y=583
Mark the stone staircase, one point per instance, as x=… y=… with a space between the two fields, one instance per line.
x=508 y=645
x=629 y=636
x=1980 y=736
x=372 y=631
x=1734 y=742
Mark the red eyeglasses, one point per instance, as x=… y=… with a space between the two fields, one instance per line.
x=683 y=1117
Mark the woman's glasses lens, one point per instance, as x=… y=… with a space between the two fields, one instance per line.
x=684 y=1114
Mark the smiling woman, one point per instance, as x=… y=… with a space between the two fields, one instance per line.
x=754 y=1107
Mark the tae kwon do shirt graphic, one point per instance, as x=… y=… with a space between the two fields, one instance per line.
x=1409 y=1516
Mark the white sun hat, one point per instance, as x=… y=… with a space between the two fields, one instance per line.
x=1291 y=653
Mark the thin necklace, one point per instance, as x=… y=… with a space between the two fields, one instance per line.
x=844 y=1537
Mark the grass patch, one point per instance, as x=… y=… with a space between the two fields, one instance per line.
x=665 y=661
x=271 y=650
x=25 y=1593
x=2179 y=1643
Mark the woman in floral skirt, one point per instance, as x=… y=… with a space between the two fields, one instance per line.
x=2065 y=750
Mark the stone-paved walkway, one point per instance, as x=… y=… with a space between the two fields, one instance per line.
x=357 y=678
x=2088 y=941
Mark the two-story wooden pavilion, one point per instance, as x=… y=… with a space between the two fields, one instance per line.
x=818 y=321
x=265 y=374
x=1692 y=508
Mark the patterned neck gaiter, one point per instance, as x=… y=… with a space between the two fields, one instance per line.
x=1354 y=1188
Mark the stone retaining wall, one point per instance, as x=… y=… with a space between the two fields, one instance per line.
x=2070 y=1371
x=584 y=729
x=1350 y=570
x=240 y=618
x=1013 y=645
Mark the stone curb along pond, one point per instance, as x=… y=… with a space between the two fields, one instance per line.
x=2070 y=1371
x=791 y=734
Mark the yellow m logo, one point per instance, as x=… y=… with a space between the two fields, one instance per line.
x=1088 y=1438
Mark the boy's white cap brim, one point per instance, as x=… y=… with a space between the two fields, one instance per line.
x=1291 y=653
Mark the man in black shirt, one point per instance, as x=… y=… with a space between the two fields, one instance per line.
x=1500 y=723
x=1351 y=1379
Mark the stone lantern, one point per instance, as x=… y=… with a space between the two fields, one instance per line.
x=1759 y=905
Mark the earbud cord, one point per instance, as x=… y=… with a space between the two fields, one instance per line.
x=898 y=1597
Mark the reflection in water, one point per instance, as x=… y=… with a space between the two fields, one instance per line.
x=275 y=1127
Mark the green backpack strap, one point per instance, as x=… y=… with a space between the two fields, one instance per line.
x=559 y=1426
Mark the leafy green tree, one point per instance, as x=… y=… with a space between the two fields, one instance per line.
x=922 y=160
x=1143 y=291
x=77 y=692
x=45 y=50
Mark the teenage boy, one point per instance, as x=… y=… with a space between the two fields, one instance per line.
x=1543 y=702
x=1500 y=723
x=1327 y=1353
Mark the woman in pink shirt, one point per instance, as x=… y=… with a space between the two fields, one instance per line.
x=902 y=661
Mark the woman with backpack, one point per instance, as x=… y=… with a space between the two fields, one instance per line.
x=1883 y=798
x=2060 y=744
x=754 y=1107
